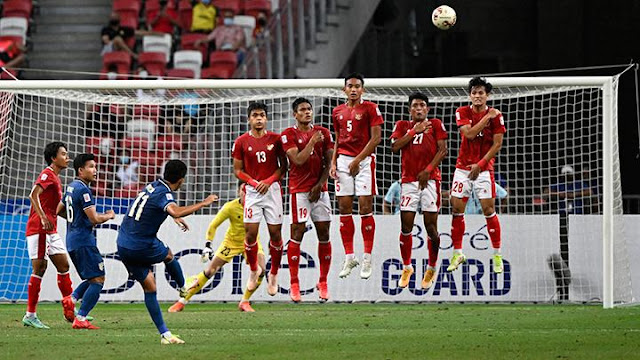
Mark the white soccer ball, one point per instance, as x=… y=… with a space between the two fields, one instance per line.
x=443 y=17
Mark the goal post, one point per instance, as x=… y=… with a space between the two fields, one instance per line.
x=552 y=123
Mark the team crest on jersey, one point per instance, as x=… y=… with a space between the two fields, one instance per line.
x=269 y=147
x=358 y=116
x=250 y=148
x=300 y=141
x=341 y=117
x=86 y=197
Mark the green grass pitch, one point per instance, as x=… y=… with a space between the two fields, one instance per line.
x=332 y=331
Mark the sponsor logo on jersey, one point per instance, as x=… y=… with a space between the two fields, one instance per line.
x=284 y=139
x=269 y=147
x=169 y=196
x=44 y=177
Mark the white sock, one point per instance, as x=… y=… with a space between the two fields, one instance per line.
x=81 y=318
x=183 y=301
x=350 y=257
x=457 y=251
x=408 y=267
x=366 y=257
x=74 y=300
x=496 y=251
x=31 y=314
x=431 y=268
x=166 y=335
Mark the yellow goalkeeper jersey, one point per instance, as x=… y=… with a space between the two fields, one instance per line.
x=232 y=210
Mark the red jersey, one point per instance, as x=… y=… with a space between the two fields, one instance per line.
x=472 y=151
x=354 y=126
x=49 y=200
x=303 y=177
x=419 y=153
x=259 y=155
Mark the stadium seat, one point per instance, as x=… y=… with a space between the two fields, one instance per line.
x=254 y=7
x=181 y=73
x=188 y=59
x=141 y=128
x=135 y=143
x=248 y=23
x=17 y=8
x=226 y=60
x=147 y=112
x=129 y=12
x=5 y=76
x=154 y=62
x=121 y=59
x=185 y=15
x=169 y=143
x=157 y=43
x=14 y=26
x=130 y=191
x=216 y=73
x=96 y=144
x=188 y=40
x=224 y=5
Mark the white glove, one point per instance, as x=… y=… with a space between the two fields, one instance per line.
x=207 y=253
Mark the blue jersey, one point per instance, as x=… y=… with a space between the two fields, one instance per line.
x=77 y=198
x=145 y=215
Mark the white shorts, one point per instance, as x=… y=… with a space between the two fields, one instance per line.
x=268 y=205
x=40 y=246
x=302 y=209
x=428 y=199
x=484 y=186
x=363 y=184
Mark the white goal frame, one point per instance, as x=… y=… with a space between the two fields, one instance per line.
x=606 y=83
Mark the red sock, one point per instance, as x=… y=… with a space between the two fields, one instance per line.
x=406 y=242
x=347 y=229
x=324 y=253
x=64 y=284
x=457 y=231
x=368 y=228
x=493 y=226
x=434 y=247
x=293 y=255
x=275 y=250
x=251 y=252
x=33 y=293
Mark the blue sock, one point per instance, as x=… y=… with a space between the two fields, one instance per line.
x=78 y=293
x=174 y=269
x=151 y=301
x=90 y=298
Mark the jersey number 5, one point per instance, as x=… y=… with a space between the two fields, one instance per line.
x=349 y=125
x=139 y=204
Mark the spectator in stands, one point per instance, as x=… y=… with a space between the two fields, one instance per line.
x=391 y=203
x=227 y=37
x=165 y=20
x=114 y=37
x=128 y=170
x=12 y=54
x=261 y=26
x=204 y=17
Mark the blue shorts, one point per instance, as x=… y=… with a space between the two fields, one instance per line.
x=88 y=262
x=140 y=262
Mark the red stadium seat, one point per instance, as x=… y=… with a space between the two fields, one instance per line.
x=17 y=8
x=135 y=143
x=185 y=15
x=154 y=62
x=129 y=12
x=188 y=40
x=216 y=73
x=5 y=76
x=181 y=73
x=148 y=112
x=255 y=7
x=223 y=5
x=120 y=58
x=225 y=62
x=130 y=191
x=169 y=142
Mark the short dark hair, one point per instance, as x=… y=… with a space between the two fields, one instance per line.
x=51 y=151
x=480 y=81
x=299 y=101
x=174 y=170
x=81 y=160
x=256 y=106
x=420 y=96
x=354 y=75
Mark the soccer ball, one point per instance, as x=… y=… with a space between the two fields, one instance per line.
x=443 y=17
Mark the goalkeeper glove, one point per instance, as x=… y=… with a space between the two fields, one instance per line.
x=207 y=253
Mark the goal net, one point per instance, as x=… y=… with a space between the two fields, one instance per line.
x=558 y=166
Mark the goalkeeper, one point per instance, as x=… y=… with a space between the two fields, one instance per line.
x=232 y=245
